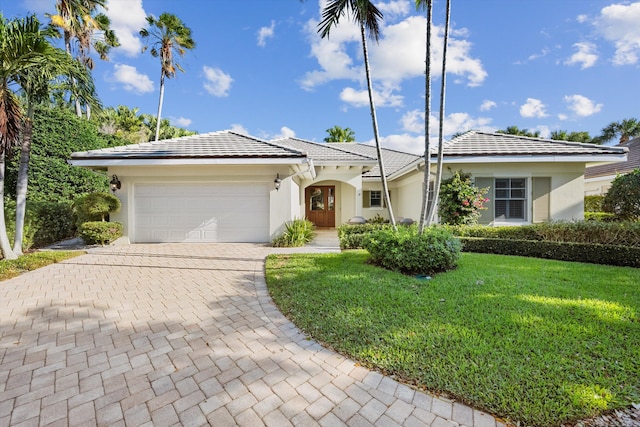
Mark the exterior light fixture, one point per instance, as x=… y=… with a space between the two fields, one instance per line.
x=277 y=182
x=115 y=183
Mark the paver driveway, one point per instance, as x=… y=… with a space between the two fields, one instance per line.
x=183 y=334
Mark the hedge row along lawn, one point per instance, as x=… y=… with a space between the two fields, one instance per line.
x=533 y=341
x=32 y=261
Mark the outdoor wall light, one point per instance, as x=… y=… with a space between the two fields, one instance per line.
x=277 y=182
x=115 y=183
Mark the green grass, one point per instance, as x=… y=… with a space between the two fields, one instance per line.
x=32 y=261
x=535 y=341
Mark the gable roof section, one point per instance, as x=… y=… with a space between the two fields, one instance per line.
x=327 y=153
x=214 y=147
x=475 y=143
x=393 y=160
x=632 y=163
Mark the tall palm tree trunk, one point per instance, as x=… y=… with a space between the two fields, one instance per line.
x=427 y=119
x=160 y=105
x=5 y=245
x=432 y=206
x=22 y=180
x=374 y=120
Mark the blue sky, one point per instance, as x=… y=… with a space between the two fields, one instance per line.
x=259 y=67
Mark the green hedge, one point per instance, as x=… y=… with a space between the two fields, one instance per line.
x=593 y=203
x=352 y=236
x=45 y=222
x=599 y=216
x=564 y=251
x=100 y=232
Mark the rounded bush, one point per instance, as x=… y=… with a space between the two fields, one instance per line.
x=409 y=252
x=95 y=206
x=100 y=232
x=623 y=198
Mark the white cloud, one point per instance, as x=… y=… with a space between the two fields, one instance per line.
x=131 y=79
x=217 y=82
x=182 y=122
x=487 y=105
x=581 y=105
x=582 y=18
x=562 y=117
x=533 y=108
x=402 y=142
x=586 y=55
x=127 y=18
x=399 y=55
x=381 y=98
x=545 y=132
x=618 y=23
x=285 y=132
x=544 y=52
x=238 y=128
x=266 y=33
x=394 y=9
x=413 y=121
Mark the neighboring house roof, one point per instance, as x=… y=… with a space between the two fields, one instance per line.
x=393 y=160
x=223 y=145
x=632 y=163
x=326 y=153
x=475 y=143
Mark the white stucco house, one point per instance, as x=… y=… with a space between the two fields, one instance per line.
x=228 y=187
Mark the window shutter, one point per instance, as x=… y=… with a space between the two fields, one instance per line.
x=366 y=199
x=541 y=195
x=486 y=215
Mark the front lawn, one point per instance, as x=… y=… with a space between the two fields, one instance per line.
x=32 y=261
x=535 y=341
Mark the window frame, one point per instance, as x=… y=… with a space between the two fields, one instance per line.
x=378 y=199
x=507 y=216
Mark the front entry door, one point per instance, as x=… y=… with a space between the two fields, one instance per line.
x=321 y=205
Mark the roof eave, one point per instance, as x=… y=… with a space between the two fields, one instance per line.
x=103 y=162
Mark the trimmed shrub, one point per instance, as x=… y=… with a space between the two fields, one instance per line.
x=296 y=233
x=623 y=198
x=502 y=232
x=599 y=216
x=409 y=252
x=564 y=251
x=100 y=232
x=593 y=203
x=95 y=207
x=352 y=235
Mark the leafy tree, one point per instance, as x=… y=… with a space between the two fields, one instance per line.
x=338 y=134
x=166 y=35
x=96 y=206
x=563 y=135
x=623 y=198
x=461 y=201
x=368 y=18
x=78 y=20
x=625 y=130
x=514 y=130
x=34 y=83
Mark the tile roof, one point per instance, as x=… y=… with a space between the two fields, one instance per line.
x=222 y=144
x=393 y=160
x=475 y=143
x=321 y=152
x=633 y=162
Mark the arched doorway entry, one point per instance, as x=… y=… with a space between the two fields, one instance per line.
x=320 y=203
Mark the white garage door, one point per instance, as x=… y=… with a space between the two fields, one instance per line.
x=201 y=213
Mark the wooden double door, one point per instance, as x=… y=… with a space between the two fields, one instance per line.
x=321 y=205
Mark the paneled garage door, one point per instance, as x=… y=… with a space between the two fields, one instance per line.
x=201 y=213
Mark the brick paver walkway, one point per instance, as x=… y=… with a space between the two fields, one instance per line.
x=182 y=335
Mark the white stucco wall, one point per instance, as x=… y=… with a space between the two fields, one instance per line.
x=567 y=186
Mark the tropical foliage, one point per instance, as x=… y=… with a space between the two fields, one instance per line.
x=296 y=233
x=624 y=130
x=338 y=134
x=515 y=130
x=166 y=36
x=623 y=198
x=461 y=201
x=563 y=135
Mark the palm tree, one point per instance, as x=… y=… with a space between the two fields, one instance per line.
x=76 y=20
x=167 y=35
x=436 y=187
x=34 y=83
x=563 y=135
x=367 y=16
x=515 y=130
x=338 y=134
x=428 y=5
x=625 y=130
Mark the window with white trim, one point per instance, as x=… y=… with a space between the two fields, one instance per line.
x=375 y=199
x=510 y=198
